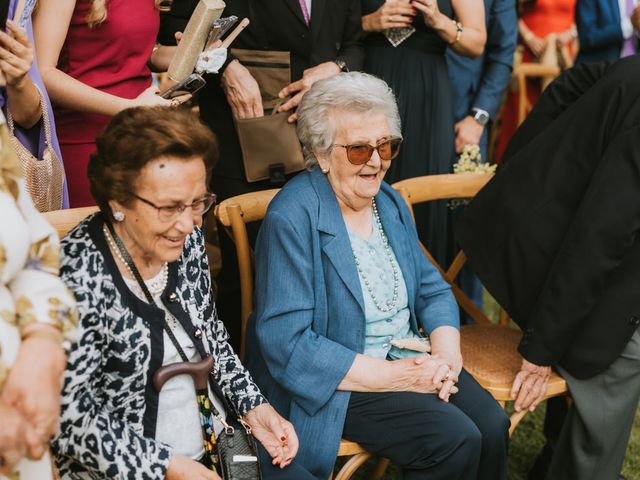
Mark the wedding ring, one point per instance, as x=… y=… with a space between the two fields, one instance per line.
x=175 y=102
x=446 y=377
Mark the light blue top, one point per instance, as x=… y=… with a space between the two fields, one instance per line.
x=381 y=327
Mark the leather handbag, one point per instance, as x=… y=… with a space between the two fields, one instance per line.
x=269 y=144
x=44 y=177
x=237 y=453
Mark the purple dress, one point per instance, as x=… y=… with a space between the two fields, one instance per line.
x=34 y=137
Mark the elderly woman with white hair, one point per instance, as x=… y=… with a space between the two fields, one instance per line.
x=342 y=285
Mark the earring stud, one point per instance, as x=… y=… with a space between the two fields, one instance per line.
x=324 y=170
x=118 y=216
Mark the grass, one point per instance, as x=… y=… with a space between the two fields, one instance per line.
x=528 y=439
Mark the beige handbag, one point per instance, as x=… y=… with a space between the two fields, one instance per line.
x=270 y=145
x=45 y=177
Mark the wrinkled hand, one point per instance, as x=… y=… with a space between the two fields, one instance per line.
x=276 y=434
x=392 y=14
x=447 y=375
x=13 y=437
x=635 y=18
x=33 y=388
x=302 y=86
x=468 y=132
x=185 y=468
x=16 y=54
x=430 y=12
x=530 y=386
x=422 y=374
x=150 y=98
x=242 y=91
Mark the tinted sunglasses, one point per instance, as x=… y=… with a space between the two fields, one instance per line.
x=360 y=153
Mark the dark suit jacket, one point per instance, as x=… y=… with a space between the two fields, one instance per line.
x=480 y=82
x=554 y=236
x=275 y=25
x=599 y=30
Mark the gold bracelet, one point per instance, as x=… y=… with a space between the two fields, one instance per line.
x=458 y=26
x=52 y=336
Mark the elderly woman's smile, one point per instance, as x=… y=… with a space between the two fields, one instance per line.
x=356 y=185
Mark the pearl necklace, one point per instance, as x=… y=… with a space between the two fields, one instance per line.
x=155 y=288
x=389 y=304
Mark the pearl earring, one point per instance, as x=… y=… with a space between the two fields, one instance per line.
x=324 y=170
x=118 y=216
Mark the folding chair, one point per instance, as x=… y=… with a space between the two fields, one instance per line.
x=489 y=351
x=234 y=213
x=65 y=220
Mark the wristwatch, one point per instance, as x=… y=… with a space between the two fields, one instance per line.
x=342 y=64
x=480 y=116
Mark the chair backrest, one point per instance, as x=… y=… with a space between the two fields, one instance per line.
x=65 y=220
x=234 y=213
x=526 y=70
x=446 y=187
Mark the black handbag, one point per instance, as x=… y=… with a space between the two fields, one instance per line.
x=237 y=454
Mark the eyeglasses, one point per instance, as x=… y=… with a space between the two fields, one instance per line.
x=360 y=153
x=168 y=213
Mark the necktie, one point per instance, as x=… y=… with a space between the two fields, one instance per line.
x=305 y=12
x=629 y=45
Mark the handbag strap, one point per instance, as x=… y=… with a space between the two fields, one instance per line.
x=132 y=266
x=45 y=118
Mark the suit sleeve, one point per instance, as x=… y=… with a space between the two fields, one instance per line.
x=308 y=365
x=603 y=229
x=352 y=50
x=498 y=59
x=559 y=96
x=592 y=34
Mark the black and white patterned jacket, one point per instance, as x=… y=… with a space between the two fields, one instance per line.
x=109 y=404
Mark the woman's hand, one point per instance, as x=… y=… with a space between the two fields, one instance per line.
x=445 y=344
x=185 y=468
x=431 y=14
x=392 y=14
x=150 y=98
x=13 y=437
x=567 y=37
x=276 y=434
x=33 y=388
x=16 y=54
x=422 y=374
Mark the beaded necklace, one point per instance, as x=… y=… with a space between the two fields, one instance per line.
x=389 y=304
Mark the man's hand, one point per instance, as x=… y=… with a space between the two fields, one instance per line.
x=530 y=386
x=300 y=87
x=242 y=91
x=468 y=132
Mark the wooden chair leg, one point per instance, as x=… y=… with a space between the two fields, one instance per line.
x=380 y=468
x=352 y=465
x=515 y=420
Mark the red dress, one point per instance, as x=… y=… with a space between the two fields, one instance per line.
x=543 y=18
x=111 y=57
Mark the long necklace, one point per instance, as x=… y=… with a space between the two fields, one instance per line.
x=389 y=304
x=154 y=288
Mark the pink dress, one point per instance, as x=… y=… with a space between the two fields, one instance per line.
x=111 y=57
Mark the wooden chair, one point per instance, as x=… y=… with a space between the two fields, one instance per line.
x=489 y=351
x=65 y=220
x=524 y=71
x=234 y=213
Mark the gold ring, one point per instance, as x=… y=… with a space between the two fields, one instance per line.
x=446 y=377
x=175 y=102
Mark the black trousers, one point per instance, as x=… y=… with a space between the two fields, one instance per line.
x=274 y=472
x=465 y=439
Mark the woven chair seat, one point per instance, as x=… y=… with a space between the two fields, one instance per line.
x=490 y=354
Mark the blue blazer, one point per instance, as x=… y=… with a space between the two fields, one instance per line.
x=599 y=30
x=309 y=322
x=480 y=82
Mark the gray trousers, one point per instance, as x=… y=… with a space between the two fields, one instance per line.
x=595 y=433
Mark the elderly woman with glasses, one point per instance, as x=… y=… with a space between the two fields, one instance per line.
x=342 y=286
x=139 y=273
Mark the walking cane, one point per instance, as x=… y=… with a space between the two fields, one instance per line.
x=199 y=371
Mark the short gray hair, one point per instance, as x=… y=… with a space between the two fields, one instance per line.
x=346 y=92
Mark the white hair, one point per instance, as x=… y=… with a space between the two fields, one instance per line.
x=352 y=92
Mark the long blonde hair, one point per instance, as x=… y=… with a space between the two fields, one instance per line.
x=98 y=12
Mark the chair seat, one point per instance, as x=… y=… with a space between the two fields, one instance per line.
x=490 y=354
x=348 y=447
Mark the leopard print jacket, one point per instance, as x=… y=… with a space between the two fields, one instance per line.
x=109 y=403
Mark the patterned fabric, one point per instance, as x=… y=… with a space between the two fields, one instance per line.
x=109 y=404
x=381 y=327
x=30 y=290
